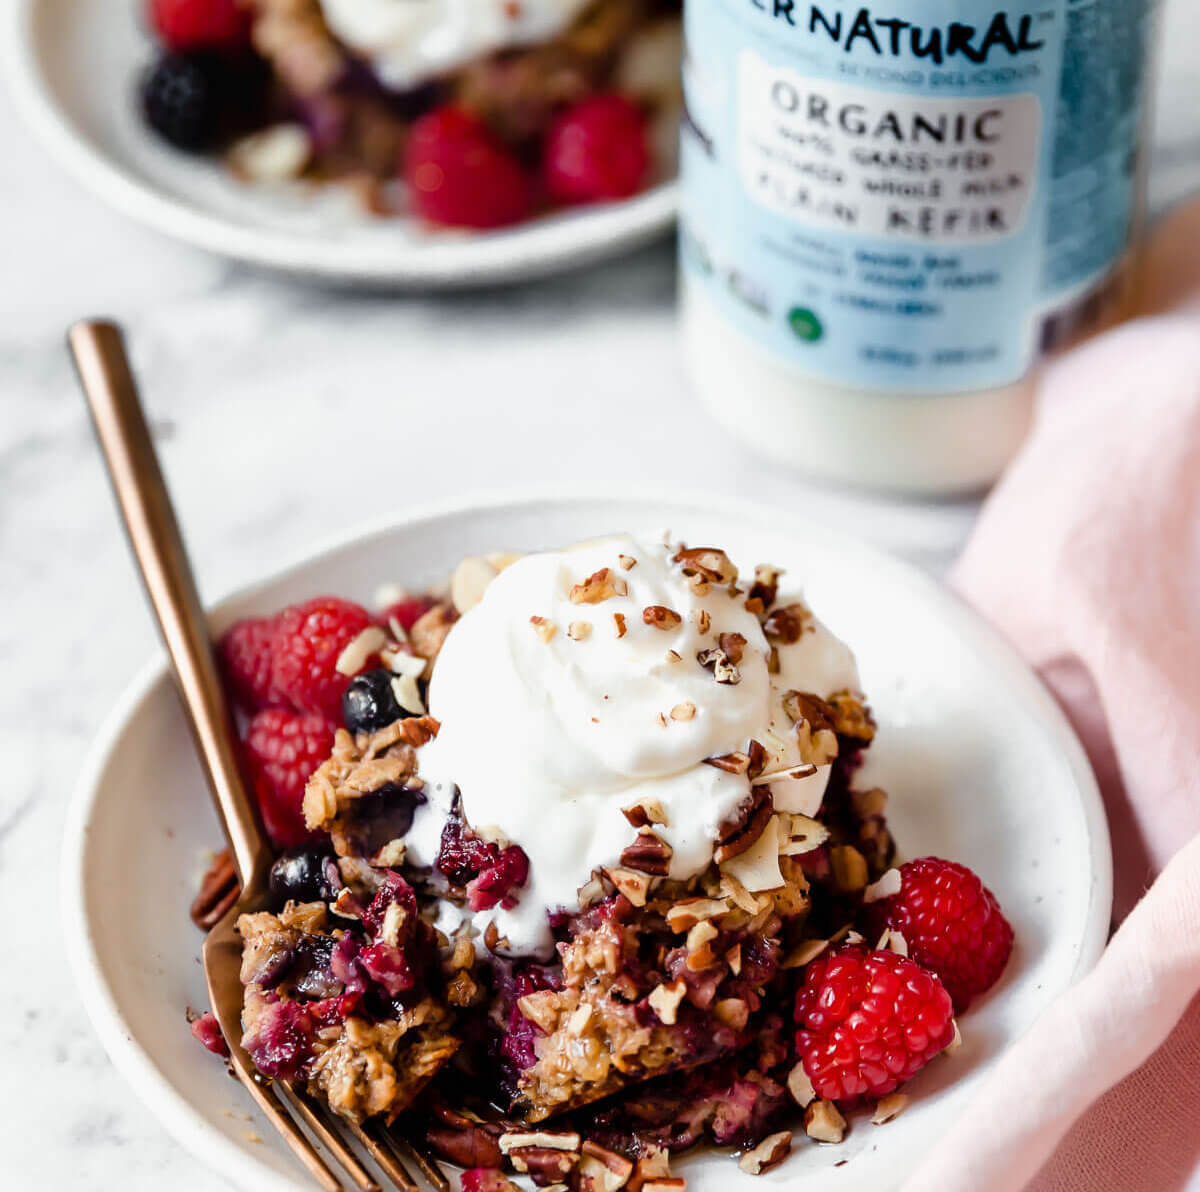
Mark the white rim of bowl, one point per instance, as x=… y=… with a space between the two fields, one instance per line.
x=190 y=1128
x=539 y=249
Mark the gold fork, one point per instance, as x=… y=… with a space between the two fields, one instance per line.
x=104 y=373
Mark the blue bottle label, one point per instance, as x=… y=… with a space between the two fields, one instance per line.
x=917 y=196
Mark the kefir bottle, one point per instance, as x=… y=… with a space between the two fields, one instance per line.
x=893 y=211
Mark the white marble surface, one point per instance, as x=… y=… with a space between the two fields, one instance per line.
x=284 y=415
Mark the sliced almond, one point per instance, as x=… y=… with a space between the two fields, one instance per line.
x=472 y=577
x=355 y=653
x=889 y=1108
x=888 y=886
x=408 y=694
x=804 y=953
x=579 y=631
x=758 y=867
x=684 y=711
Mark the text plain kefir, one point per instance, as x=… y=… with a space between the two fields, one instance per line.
x=892 y=212
x=548 y=740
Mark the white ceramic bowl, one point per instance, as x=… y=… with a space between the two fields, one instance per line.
x=74 y=65
x=981 y=765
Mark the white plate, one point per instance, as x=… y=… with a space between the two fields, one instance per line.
x=74 y=66
x=980 y=763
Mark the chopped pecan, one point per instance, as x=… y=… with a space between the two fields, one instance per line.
x=851 y=717
x=731 y=763
x=648 y=854
x=717 y=661
x=823 y=1123
x=734 y=645
x=786 y=626
x=602 y=1170
x=619 y=619
x=764 y=590
x=769 y=1153
x=635 y=886
x=219 y=890
x=661 y=617
x=644 y=813
x=543 y=628
x=707 y=563
x=598 y=587
x=430 y=631
x=801 y=705
x=742 y=832
x=664 y=1000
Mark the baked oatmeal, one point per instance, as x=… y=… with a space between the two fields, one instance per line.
x=582 y=876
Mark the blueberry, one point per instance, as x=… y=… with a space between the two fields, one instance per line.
x=304 y=874
x=369 y=703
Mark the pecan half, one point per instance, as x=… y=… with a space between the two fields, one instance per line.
x=468 y=1143
x=544 y=1165
x=648 y=854
x=740 y=833
x=219 y=890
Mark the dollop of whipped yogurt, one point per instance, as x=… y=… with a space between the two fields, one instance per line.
x=408 y=42
x=557 y=714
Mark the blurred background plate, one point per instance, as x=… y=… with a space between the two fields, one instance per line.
x=74 y=66
x=979 y=761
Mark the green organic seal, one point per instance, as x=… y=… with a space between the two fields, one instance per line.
x=805 y=324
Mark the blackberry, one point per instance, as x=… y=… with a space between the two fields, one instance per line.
x=200 y=98
x=181 y=100
x=369 y=703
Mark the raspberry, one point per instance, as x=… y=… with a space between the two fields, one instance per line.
x=952 y=924
x=283 y=748
x=201 y=24
x=486 y=1179
x=246 y=653
x=460 y=175
x=206 y=1031
x=868 y=1022
x=309 y=638
x=596 y=151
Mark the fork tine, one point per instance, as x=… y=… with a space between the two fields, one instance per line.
x=378 y=1149
x=428 y=1166
x=322 y=1124
x=268 y=1101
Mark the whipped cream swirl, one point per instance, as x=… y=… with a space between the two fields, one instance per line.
x=558 y=714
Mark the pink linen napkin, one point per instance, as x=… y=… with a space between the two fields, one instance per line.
x=1087 y=556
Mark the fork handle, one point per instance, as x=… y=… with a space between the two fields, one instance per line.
x=98 y=350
